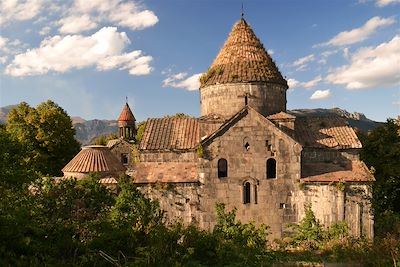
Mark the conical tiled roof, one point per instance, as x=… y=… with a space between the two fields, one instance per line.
x=94 y=159
x=126 y=114
x=243 y=58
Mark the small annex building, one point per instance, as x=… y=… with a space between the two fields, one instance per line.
x=96 y=160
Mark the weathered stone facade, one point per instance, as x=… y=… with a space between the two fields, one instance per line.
x=248 y=153
x=227 y=99
x=334 y=202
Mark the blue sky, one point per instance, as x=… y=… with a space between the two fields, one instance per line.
x=89 y=55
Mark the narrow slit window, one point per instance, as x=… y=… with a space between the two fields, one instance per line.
x=222 y=168
x=271 y=168
x=124 y=159
x=246 y=193
x=255 y=194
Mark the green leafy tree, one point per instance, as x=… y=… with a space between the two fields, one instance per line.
x=381 y=152
x=103 y=139
x=140 y=129
x=47 y=134
x=14 y=170
x=309 y=233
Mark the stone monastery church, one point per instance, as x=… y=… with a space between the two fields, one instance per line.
x=245 y=151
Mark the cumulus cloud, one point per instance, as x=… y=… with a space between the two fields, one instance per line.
x=312 y=83
x=126 y=14
x=3 y=59
x=293 y=83
x=325 y=55
x=359 y=34
x=302 y=62
x=180 y=80
x=371 y=67
x=3 y=43
x=383 y=3
x=320 y=95
x=77 y=16
x=19 y=10
x=104 y=49
x=76 y=24
x=45 y=30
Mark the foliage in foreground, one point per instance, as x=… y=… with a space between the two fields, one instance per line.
x=82 y=223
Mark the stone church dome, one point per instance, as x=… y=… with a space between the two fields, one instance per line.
x=94 y=159
x=243 y=58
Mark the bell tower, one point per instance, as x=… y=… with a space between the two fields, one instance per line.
x=127 y=123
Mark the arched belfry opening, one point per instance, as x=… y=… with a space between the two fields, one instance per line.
x=127 y=124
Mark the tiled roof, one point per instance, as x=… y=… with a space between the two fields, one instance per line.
x=242 y=59
x=170 y=134
x=126 y=114
x=166 y=172
x=325 y=132
x=352 y=171
x=281 y=116
x=108 y=180
x=112 y=142
x=94 y=159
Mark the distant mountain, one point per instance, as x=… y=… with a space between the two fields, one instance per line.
x=88 y=130
x=4 y=113
x=356 y=120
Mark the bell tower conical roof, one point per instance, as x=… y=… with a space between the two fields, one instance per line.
x=127 y=123
x=126 y=114
x=243 y=58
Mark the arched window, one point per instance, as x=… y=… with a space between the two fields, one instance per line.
x=271 y=168
x=222 y=168
x=246 y=192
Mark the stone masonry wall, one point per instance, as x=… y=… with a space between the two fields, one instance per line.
x=120 y=148
x=332 y=203
x=189 y=156
x=179 y=201
x=270 y=199
x=227 y=99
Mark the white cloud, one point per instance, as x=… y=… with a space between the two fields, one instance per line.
x=179 y=80
x=321 y=94
x=45 y=30
x=371 y=67
x=103 y=49
x=135 y=62
x=126 y=14
x=359 y=34
x=312 y=83
x=346 y=53
x=3 y=59
x=19 y=10
x=129 y=15
x=293 y=83
x=270 y=52
x=3 y=43
x=302 y=62
x=382 y=3
x=76 y=24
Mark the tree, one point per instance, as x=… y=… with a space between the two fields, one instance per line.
x=47 y=135
x=14 y=170
x=103 y=139
x=381 y=152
